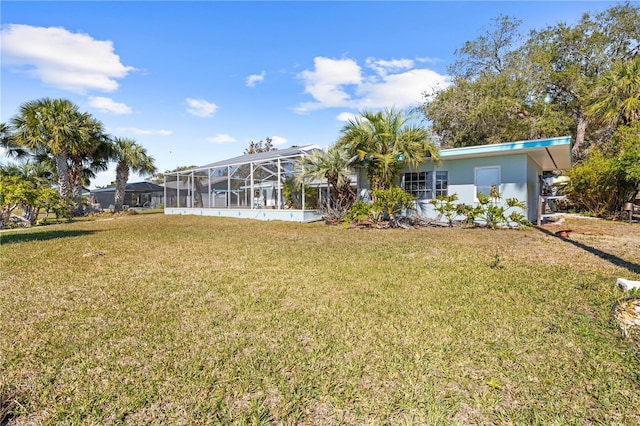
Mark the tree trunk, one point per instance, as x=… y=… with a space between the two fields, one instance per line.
x=578 y=150
x=122 y=176
x=75 y=175
x=62 y=168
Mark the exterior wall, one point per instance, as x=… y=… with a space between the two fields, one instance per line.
x=533 y=189
x=302 y=216
x=518 y=177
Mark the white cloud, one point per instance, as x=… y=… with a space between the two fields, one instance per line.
x=346 y=116
x=108 y=105
x=221 y=138
x=255 y=78
x=201 y=108
x=278 y=140
x=326 y=83
x=382 y=67
x=342 y=83
x=400 y=90
x=60 y=58
x=138 y=131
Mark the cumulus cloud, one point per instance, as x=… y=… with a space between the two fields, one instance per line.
x=278 y=140
x=138 y=131
x=326 y=83
x=255 y=78
x=401 y=90
x=201 y=108
x=383 y=67
x=108 y=105
x=70 y=61
x=221 y=138
x=383 y=83
x=346 y=116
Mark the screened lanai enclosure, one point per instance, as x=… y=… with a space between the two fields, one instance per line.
x=256 y=186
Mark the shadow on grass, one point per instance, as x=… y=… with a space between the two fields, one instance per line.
x=21 y=237
x=633 y=267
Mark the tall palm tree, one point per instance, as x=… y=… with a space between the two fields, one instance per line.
x=385 y=141
x=334 y=165
x=129 y=157
x=87 y=155
x=54 y=124
x=617 y=99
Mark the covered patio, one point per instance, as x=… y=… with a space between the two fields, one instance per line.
x=257 y=186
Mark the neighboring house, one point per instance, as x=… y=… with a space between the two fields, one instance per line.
x=259 y=186
x=136 y=194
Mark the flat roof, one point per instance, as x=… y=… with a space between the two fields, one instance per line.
x=550 y=153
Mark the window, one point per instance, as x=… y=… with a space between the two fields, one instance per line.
x=421 y=184
x=486 y=177
x=442 y=183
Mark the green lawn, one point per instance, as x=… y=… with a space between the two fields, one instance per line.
x=193 y=320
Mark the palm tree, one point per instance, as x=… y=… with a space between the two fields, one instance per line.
x=86 y=156
x=385 y=141
x=9 y=144
x=129 y=157
x=617 y=99
x=334 y=165
x=54 y=124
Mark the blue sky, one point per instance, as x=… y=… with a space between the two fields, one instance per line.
x=195 y=82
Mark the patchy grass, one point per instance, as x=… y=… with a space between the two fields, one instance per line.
x=185 y=319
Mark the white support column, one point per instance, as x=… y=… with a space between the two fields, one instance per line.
x=228 y=197
x=178 y=189
x=303 y=196
x=279 y=185
x=252 y=195
x=210 y=195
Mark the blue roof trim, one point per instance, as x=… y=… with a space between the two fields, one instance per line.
x=504 y=147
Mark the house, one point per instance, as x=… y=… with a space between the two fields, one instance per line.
x=515 y=168
x=261 y=186
x=136 y=194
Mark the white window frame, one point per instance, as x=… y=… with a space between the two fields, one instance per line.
x=429 y=182
x=475 y=179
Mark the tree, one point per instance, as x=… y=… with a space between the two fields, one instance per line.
x=567 y=61
x=86 y=156
x=334 y=165
x=261 y=146
x=617 y=97
x=605 y=180
x=129 y=157
x=491 y=99
x=8 y=142
x=384 y=142
x=54 y=124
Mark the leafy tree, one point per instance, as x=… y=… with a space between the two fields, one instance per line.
x=567 y=61
x=261 y=146
x=129 y=157
x=334 y=165
x=385 y=142
x=490 y=100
